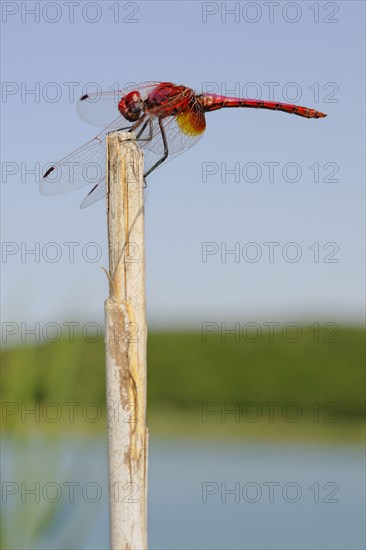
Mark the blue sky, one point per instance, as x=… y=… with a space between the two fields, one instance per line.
x=169 y=41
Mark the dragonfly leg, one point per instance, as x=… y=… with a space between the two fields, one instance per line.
x=150 y=136
x=130 y=128
x=142 y=130
x=166 y=150
x=137 y=124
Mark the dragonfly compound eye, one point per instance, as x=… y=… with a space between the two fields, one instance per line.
x=130 y=106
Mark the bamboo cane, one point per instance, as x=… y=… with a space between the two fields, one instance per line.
x=125 y=344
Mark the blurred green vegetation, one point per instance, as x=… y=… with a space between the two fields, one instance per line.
x=185 y=373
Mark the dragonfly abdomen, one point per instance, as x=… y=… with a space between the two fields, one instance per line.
x=212 y=102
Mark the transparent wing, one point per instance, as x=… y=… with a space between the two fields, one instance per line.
x=178 y=142
x=101 y=107
x=96 y=194
x=86 y=165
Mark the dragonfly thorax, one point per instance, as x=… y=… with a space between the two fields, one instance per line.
x=131 y=106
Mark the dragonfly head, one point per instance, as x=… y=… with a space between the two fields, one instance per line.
x=131 y=106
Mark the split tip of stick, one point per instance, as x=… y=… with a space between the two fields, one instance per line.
x=122 y=135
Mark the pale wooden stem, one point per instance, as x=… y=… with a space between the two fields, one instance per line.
x=125 y=344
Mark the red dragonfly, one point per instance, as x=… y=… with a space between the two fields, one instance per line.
x=167 y=119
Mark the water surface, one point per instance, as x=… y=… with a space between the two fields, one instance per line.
x=201 y=495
